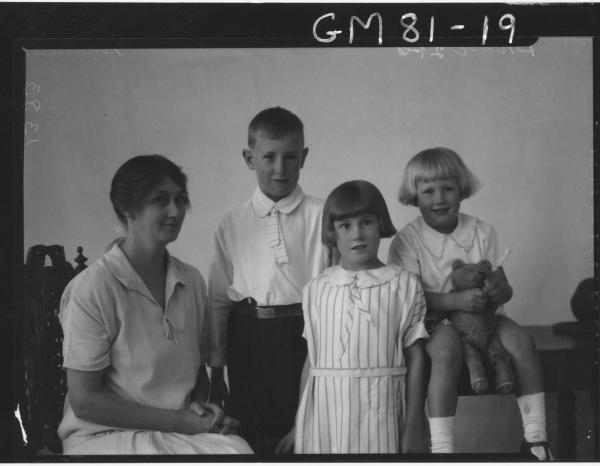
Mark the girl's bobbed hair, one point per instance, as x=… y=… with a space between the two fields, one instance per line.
x=351 y=199
x=137 y=177
x=439 y=163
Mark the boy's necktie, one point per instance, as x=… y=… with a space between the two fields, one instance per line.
x=275 y=237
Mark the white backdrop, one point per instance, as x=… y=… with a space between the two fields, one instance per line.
x=520 y=117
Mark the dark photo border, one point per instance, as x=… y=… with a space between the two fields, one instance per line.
x=205 y=25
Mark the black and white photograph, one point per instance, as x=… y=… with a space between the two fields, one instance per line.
x=373 y=239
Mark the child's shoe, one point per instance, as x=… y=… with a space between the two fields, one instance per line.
x=538 y=451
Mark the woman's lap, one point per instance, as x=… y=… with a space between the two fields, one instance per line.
x=129 y=442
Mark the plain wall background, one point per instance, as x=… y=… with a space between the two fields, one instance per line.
x=520 y=118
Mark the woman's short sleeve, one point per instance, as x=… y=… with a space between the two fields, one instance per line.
x=86 y=343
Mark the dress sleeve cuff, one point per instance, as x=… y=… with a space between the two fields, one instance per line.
x=416 y=332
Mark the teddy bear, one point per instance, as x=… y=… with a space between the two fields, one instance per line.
x=477 y=332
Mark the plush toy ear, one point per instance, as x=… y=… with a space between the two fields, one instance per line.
x=457 y=263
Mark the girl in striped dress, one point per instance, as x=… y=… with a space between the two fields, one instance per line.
x=362 y=387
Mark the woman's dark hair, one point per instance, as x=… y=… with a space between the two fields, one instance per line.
x=137 y=177
x=351 y=199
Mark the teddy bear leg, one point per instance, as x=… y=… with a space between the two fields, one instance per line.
x=477 y=374
x=499 y=359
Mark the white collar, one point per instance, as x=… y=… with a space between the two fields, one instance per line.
x=463 y=235
x=263 y=205
x=118 y=264
x=339 y=276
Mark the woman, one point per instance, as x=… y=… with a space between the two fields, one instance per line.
x=136 y=333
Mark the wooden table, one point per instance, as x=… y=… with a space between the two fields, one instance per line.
x=569 y=363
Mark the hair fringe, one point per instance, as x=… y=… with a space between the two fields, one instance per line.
x=434 y=164
x=352 y=199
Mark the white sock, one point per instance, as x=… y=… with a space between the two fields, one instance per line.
x=442 y=434
x=533 y=414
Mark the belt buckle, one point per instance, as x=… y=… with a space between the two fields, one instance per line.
x=265 y=312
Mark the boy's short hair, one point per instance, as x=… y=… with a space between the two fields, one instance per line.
x=351 y=199
x=137 y=177
x=276 y=122
x=439 y=163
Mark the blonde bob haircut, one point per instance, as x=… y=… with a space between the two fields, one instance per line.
x=439 y=163
x=351 y=199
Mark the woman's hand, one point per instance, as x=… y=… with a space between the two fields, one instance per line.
x=219 y=422
x=92 y=402
x=472 y=300
x=286 y=444
x=190 y=422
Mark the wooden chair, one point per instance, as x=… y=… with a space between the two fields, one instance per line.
x=44 y=381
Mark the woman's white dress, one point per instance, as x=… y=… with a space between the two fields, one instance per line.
x=112 y=323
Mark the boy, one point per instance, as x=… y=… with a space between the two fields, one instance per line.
x=267 y=249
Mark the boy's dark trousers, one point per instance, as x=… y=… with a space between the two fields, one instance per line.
x=265 y=355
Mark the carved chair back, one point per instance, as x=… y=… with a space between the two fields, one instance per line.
x=44 y=380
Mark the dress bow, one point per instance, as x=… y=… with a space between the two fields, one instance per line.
x=357 y=307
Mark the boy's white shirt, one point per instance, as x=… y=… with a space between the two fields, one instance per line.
x=245 y=264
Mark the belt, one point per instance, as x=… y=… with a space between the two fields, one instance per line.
x=355 y=373
x=248 y=307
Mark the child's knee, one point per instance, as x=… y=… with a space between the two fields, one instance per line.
x=445 y=352
x=449 y=360
x=519 y=343
x=525 y=345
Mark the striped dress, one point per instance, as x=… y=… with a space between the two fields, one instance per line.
x=357 y=324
